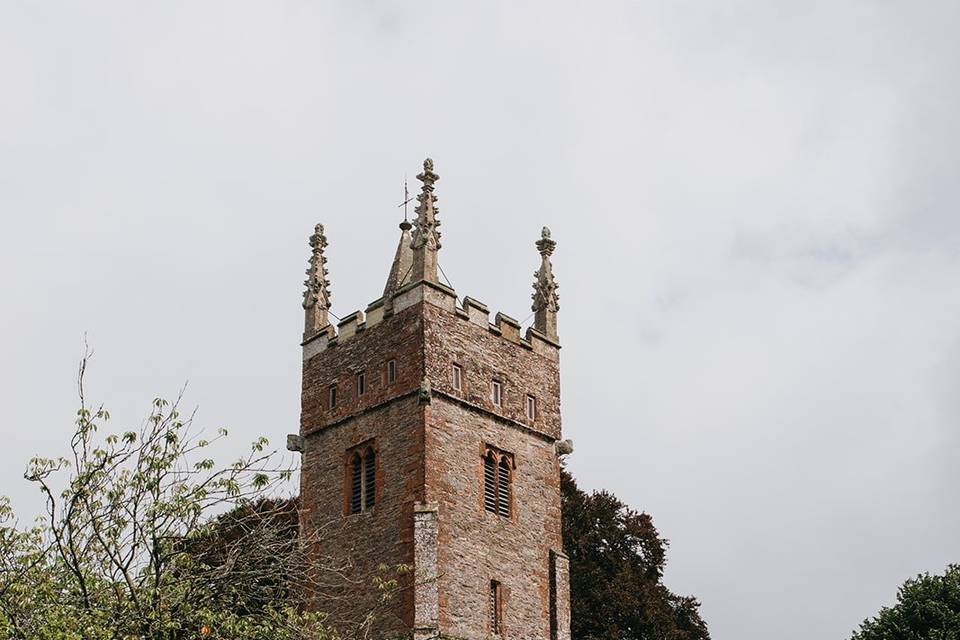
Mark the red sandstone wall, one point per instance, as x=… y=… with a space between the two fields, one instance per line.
x=476 y=546
x=485 y=356
x=431 y=452
x=392 y=415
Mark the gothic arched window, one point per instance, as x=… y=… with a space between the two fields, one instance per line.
x=497 y=478
x=362 y=478
x=356 y=483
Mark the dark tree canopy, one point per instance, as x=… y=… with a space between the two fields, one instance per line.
x=616 y=565
x=928 y=608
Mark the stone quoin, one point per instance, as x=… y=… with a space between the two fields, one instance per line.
x=430 y=437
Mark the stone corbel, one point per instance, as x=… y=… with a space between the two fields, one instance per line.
x=294 y=442
x=426 y=392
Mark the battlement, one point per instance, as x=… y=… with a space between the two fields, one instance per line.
x=437 y=295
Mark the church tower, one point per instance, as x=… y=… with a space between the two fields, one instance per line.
x=431 y=439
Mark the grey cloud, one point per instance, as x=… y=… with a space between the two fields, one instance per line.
x=754 y=205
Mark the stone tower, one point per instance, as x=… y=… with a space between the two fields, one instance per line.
x=430 y=438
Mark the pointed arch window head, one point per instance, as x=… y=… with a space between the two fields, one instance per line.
x=498 y=467
x=361 y=478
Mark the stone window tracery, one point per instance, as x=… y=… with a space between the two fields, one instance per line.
x=361 y=478
x=497 y=479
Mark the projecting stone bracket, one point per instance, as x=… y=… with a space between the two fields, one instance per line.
x=294 y=442
x=426 y=392
x=564 y=447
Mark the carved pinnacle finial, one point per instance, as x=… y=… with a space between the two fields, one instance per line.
x=426 y=233
x=545 y=298
x=316 y=296
x=545 y=245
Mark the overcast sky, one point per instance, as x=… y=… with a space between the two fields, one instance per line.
x=755 y=205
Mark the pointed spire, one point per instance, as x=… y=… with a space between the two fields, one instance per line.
x=316 y=297
x=402 y=262
x=426 y=236
x=545 y=287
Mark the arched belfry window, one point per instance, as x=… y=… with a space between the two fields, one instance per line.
x=361 y=478
x=497 y=479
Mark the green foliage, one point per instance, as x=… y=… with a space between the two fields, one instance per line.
x=616 y=565
x=113 y=556
x=928 y=608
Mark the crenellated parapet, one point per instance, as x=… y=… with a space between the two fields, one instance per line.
x=438 y=295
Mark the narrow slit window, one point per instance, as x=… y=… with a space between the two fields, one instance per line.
x=496 y=615
x=391 y=371
x=332 y=396
x=361 y=384
x=496 y=393
x=457 y=374
x=531 y=407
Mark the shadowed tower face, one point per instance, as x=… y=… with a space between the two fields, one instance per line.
x=430 y=438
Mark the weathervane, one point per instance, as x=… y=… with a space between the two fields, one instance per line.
x=406 y=199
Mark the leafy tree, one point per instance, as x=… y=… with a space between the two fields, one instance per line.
x=928 y=608
x=616 y=566
x=120 y=554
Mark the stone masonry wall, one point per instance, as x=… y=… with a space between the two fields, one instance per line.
x=391 y=415
x=485 y=356
x=430 y=440
x=476 y=546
